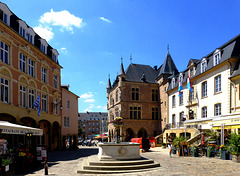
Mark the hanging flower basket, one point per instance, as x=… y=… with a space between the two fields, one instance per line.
x=118 y=121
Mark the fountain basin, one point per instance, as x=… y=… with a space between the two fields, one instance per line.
x=118 y=151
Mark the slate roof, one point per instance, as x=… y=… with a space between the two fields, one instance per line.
x=168 y=66
x=135 y=72
x=230 y=49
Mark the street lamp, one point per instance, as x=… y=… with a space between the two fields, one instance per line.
x=29 y=134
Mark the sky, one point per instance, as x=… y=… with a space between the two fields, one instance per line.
x=92 y=36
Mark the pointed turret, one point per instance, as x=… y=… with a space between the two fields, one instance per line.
x=121 y=75
x=108 y=86
x=122 y=72
x=168 y=67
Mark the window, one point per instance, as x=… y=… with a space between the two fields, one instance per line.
x=154 y=94
x=55 y=81
x=218 y=109
x=93 y=124
x=203 y=65
x=97 y=129
x=5 y=18
x=97 y=124
x=154 y=113
x=204 y=112
x=218 y=84
x=173 y=101
x=65 y=121
x=44 y=102
x=4 y=53
x=22 y=31
x=135 y=93
x=44 y=75
x=68 y=104
x=216 y=58
x=135 y=112
x=55 y=106
x=204 y=89
x=173 y=83
x=54 y=57
x=29 y=37
x=83 y=125
x=173 y=120
x=181 y=116
x=22 y=62
x=31 y=98
x=43 y=48
x=116 y=95
x=4 y=90
x=181 y=98
x=68 y=122
x=31 y=68
x=191 y=94
x=191 y=72
x=89 y=124
x=23 y=96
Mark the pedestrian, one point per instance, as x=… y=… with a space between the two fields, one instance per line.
x=170 y=144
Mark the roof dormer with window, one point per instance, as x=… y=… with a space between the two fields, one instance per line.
x=203 y=65
x=55 y=55
x=216 y=57
x=5 y=14
x=43 y=46
x=30 y=34
x=22 y=28
x=173 y=83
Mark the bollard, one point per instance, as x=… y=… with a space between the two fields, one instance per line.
x=46 y=167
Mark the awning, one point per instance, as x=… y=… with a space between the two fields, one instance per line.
x=229 y=126
x=197 y=121
x=11 y=128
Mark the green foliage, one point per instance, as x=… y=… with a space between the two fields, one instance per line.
x=234 y=142
x=164 y=144
x=80 y=131
x=6 y=162
x=178 y=140
x=213 y=135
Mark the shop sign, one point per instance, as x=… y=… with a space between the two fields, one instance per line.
x=19 y=131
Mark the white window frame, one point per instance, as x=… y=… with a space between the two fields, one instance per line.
x=44 y=103
x=55 y=81
x=218 y=109
x=55 y=106
x=191 y=94
x=204 y=89
x=31 y=98
x=44 y=75
x=4 y=53
x=5 y=98
x=203 y=65
x=23 y=62
x=173 y=83
x=43 y=46
x=204 y=112
x=31 y=67
x=23 y=96
x=173 y=101
x=218 y=87
x=181 y=98
x=216 y=57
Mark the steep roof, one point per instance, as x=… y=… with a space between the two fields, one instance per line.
x=168 y=66
x=135 y=73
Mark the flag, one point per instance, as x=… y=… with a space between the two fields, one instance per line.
x=180 y=87
x=37 y=104
x=189 y=85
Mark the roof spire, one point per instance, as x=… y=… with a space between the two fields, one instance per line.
x=130 y=58
x=122 y=72
x=109 y=82
x=168 y=48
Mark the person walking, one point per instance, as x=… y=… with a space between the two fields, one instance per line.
x=170 y=144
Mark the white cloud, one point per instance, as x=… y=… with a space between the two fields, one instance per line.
x=89 y=108
x=89 y=100
x=101 y=82
x=99 y=107
x=44 y=32
x=63 y=50
x=64 y=19
x=87 y=95
x=105 y=19
x=105 y=108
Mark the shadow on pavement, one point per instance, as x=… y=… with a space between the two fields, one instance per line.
x=55 y=157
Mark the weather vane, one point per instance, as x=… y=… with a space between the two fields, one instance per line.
x=130 y=58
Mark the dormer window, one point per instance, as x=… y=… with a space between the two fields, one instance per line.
x=29 y=37
x=181 y=77
x=55 y=55
x=191 y=72
x=43 y=47
x=6 y=13
x=22 y=31
x=216 y=57
x=173 y=83
x=203 y=65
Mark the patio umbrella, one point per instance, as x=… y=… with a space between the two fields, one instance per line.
x=96 y=135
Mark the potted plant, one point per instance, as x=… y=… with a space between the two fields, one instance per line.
x=5 y=163
x=234 y=142
x=213 y=137
x=194 y=151
x=178 y=141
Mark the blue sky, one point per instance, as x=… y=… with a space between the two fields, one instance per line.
x=92 y=36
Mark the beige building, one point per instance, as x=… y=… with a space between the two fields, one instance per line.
x=214 y=99
x=69 y=130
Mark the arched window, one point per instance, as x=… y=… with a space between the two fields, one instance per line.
x=203 y=65
x=216 y=57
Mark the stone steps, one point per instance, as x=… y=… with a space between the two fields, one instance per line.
x=93 y=166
